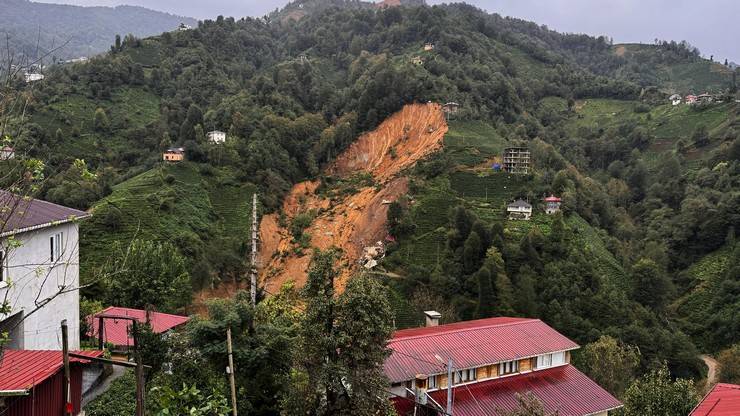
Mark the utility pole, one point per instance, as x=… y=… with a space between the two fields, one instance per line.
x=139 y=371
x=231 y=371
x=253 y=265
x=66 y=394
x=449 y=387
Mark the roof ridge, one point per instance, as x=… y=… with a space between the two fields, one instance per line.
x=454 y=331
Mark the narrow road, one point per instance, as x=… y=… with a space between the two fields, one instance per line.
x=712 y=365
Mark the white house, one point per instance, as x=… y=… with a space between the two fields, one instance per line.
x=675 y=99
x=216 y=136
x=6 y=153
x=519 y=210
x=32 y=77
x=39 y=272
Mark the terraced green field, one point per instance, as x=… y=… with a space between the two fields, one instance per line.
x=470 y=143
x=176 y=203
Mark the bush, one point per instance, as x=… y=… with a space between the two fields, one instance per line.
x=119 y=399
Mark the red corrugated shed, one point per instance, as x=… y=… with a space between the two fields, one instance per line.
x=563 y=389
x=40 y=374
x=117 y=331
x=470 y=344
x=722 y=400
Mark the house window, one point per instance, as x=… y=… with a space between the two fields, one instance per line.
x=432 y=382
x=508 y=367
x=464 y=376
x=551 y=360
x=56 y=246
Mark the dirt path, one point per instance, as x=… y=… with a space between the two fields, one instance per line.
x=712 y=373
x=351 y=222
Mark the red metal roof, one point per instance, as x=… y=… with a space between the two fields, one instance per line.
x=469 y=344
x=722 y=400
x=117 y=331
x=563 y=389
x=18 y=213
x=23 y=369
x=552 y=198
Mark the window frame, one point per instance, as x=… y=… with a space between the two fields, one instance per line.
x=56 y=246
x=513 y=367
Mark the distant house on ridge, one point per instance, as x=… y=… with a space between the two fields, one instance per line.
x=552 y=204
x=675 y=99
x=174 y=154
x=216 y=136
x=118 y=331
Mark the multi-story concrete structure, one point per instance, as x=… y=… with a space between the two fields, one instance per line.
x=216 y=136
x=517 y=160
x=39 y=272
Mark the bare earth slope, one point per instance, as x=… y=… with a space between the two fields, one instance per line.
x=358 y=220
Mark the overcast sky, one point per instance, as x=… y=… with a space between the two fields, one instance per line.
x=711 y=25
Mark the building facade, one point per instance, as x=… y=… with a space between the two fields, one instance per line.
x=216 y=136
x=517 y=160
x=519 y=210
x=39 y=272
x=174 y=154
x=492 y=360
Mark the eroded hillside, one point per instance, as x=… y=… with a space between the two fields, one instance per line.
x=352 y=214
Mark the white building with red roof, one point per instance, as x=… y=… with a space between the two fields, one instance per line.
x=118 y=331
x=39 y=271
x=552 y=204
x=493 y=360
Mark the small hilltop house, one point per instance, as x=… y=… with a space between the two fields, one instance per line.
x=174 y=154
x=183 y=27
x=32 y=77
x=552 y=204
x=416 y=60
x=519 y=210
x=691 y=99
x=216 y=136
x=428 y=47
x=705 y=98
x=675 y=99
x=118 y=331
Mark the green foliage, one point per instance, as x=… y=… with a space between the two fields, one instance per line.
x=656 y=394
x=652 y=287
x=147 y=274
x=341 y=340
x=119 y=399
x=729 y=365
x=188 y=401
x=610 y=364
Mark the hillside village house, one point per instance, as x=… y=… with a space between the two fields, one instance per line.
x=493 y=360
x=216 y=136
x=675 y=99
x=519 y=210
x=691 y=99
x=118 y=331
x=517 y=159
x=722 y=400
x=705 y=98
x=39 y=266
x=552 y=204
x=174 y=154
x=32 y=77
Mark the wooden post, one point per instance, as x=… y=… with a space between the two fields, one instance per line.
x=139 y=371
x=231 y=371
x=101 y=328
x=66 y=383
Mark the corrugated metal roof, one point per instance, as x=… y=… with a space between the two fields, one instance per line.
x=23 y=369
x=470 y=344
x=18 y=213
x=563 y=389
x=117 y=331
x=722 y=400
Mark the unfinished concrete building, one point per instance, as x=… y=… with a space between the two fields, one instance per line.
x=517 y=160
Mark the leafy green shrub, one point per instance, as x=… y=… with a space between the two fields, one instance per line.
x=119 y=399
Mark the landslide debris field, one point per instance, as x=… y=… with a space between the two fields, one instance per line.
x=349 y=210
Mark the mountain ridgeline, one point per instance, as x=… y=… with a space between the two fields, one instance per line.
x=68 y=32
x=648 y=189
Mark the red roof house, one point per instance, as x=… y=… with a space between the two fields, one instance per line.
x=722 y=400
x=493 y=360
x=31 y=382
x=117 y=331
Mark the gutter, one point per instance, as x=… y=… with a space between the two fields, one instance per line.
x=13 y=393
x=44 y=225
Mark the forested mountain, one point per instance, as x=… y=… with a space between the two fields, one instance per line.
x=651 y=192
x=37 y=28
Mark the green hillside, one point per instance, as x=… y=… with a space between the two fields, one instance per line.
x=200 y=209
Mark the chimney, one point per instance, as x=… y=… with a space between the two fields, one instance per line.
x=420 y=389
x=432 y=318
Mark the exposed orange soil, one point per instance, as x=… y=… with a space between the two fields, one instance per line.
x=355 y=221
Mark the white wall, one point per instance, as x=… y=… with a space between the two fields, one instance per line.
x=33 y=278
